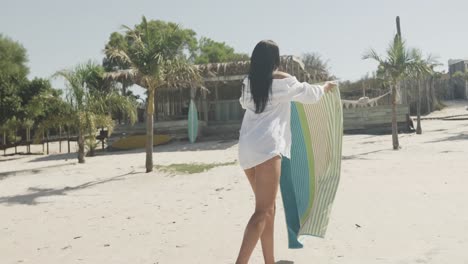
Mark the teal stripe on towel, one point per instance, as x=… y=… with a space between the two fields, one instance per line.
x=289 y=203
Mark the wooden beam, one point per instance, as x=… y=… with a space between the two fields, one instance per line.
x=205 y=106
x=225 y=78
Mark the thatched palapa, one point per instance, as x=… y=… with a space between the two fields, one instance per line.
x=240 y=69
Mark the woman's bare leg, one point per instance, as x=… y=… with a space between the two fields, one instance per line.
x=267 y=237
x=266 y=187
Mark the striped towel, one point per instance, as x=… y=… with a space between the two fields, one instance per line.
x=309 y=179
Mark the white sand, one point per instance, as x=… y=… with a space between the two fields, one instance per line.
x=411 y=204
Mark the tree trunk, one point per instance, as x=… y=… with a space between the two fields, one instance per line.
x=91 y=138
x=60 y=139
x=395 y=142
x=91 y=150
x=81 y=148
x=4 y=142
x=68 y=138
x=398 y=26
x=418 y=109
x=47 y=142
x=16 y=149
x=149 y=130
x=28 y=138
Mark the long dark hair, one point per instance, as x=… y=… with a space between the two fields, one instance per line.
x=264 y=61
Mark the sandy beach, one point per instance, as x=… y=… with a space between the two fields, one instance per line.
x=406 y=206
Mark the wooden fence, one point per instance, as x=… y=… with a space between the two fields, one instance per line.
x=229 y=112
x=225 y=111
x=373 y=118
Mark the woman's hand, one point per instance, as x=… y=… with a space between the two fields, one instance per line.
x=328 y=87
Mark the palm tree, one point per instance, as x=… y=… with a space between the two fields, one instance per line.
x=90 y=107
x=399 y=63
x=154 y=61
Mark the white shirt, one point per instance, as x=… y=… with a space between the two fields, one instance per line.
x=268 y=134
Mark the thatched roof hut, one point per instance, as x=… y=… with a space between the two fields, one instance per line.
x=218 y=102
x=220 y=113
x=238 y=70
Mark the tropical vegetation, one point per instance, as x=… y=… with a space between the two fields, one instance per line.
x=399 y=63
x=154 y=57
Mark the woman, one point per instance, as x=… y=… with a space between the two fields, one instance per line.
x=265 y=137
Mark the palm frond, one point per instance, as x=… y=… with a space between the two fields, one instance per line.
x=116 y=53
x=372 y=54
x=179 y=72
x=75 y=89
x=121 y=75
x=107 y=103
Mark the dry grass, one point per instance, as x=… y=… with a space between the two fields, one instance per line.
x=191 y=168
x=139 y=141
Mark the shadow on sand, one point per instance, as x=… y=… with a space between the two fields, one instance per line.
x=36 y=193
x=201 y=145
x=461 y=136
x=6 y=174
x=176 y=146
x=14 y=158
x=52 y=157
x=359 y=156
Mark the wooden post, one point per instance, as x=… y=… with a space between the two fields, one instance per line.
x=47 y=141
x=68 y=138
x=16 y=152
x=60 y=139
x=430 y=103
x=199 y=107
x=418 y=109
x=103 y=138
x=4 y=143
x=217 y=109
x=28 y=139
x=205 y=107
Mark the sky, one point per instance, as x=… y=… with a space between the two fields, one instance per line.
x=59 y=34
